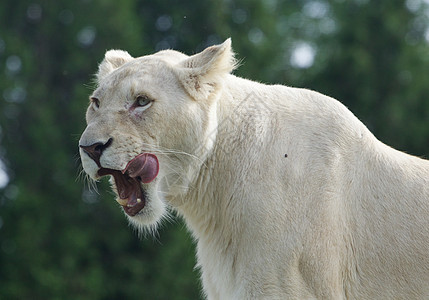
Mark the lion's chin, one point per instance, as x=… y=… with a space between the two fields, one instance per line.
x=147 y=210
x=154 y=209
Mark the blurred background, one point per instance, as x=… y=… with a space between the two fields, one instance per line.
x=59 y=239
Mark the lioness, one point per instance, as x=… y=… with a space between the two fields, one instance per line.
x=287 y=193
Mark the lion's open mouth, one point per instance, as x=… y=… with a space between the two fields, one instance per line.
x=141 y=169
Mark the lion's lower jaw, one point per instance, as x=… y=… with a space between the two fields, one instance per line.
x=148 y=219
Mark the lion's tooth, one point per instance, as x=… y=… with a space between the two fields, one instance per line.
x=122 y=202
x=139 y=200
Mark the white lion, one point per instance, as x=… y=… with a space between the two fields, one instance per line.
x=287 y=193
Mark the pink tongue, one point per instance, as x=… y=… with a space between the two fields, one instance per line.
x=144 y=165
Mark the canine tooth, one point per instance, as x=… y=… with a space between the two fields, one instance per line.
x=122 y=202
x=139 y=200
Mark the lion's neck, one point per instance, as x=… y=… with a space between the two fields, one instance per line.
x=206 y=206
x=214 y=202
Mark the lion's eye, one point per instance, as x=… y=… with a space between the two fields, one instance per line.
x=143 y=101
x=95 y=102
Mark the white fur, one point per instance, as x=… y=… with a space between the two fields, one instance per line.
x=287 y=193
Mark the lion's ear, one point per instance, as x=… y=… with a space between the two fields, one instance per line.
x=201 y=73
x=113 y=59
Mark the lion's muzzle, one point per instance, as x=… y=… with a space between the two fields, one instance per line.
x=141 y=169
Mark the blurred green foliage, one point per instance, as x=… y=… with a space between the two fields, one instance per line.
x=59 y=239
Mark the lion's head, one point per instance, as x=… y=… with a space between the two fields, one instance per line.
x=151 y=123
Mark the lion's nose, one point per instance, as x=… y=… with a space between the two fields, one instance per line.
x=95 y=150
